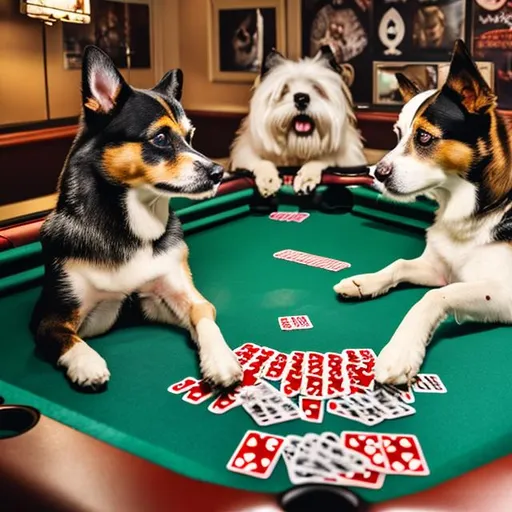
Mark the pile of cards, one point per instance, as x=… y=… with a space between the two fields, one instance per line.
x=289 y=216
x=311 y=260
x=358 y=459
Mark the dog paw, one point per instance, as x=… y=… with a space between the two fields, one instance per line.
x=84 y=366
x=267 y=179
x=360 y=287
x=399 y=362
x=308 y=178
x=220 y=367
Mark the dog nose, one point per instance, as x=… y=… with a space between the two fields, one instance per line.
x=383 y=171
x=301 y=100
x=215 y=173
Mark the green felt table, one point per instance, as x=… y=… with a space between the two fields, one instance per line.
x=231 y=256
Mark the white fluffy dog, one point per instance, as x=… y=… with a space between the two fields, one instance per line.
x=300 y=115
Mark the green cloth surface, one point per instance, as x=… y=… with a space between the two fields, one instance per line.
x=233 y=267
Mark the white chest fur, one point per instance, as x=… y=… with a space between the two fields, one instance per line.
x=93 y=283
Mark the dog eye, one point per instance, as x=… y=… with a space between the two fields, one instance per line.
x=319 y=90
x=161 y=140
x=424 y=138
x=284 y=92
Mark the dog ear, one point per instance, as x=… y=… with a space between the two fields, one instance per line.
x=273 y=59
x=408 y=89
x=465 y=79
x=171 y=84
x=103 y=87
x=325 y=52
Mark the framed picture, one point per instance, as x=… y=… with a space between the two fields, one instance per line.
x=120 y=29
x=241 y=33
x=385 y=84
x=492 y=41
x=344 y=25
x=427 y=75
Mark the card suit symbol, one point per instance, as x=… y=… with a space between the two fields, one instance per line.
x=397 y=466
x=239 y=462
x=249 y=457
x=265 y=462
x=405 y=443
x=414 y=464
x=353 y=441
x=407 y=456
x=391 y=449
x=386 y=443
x=251 y=467
x=367 y=474
x=378 y=458
x=252 y=442
x=370 y=450
x=271 y=444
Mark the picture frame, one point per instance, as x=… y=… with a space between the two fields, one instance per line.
x=240 y=34
x=425 y=73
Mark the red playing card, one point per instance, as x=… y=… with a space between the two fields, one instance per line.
x=334 y=386
x=429 y=383
x=312 y=409
x=246 y=352
x=292 y=323
x=257 y=454
x=404 y=455
x=314 y=363
x=369 y=479
x=311 y=260
x=312 y=386
x=275 y=367
x=292 y=378
x=368 y=445
x=225 y=402
x=183 y=385
x=253 y=368
x=199 y=393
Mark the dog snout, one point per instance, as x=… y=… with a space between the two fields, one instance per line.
x=215 y=173
x=301 y=100
x=383 y=171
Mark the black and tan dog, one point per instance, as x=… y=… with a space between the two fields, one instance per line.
x=454 y=146
x=112 y=233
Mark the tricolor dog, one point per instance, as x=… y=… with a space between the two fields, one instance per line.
x=112 y=234
x=453 y=146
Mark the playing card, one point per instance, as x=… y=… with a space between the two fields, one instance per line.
x=292 y=378
x=312 y=409
x=225 y=402
x=289 y=216
x=274 y=368
x=404 y=455
x=335 y=379
x=312 y=386
x=359 y=407
x=253 y=368
x=359 y=367
x=368 y=445
x=429 y=383
x=311 y=260
x=257 y=454
x=368 y=479
x=314 y=363
x=246 y=352
x=293 y=323
x=323 y=456
x=406 y=395
x=198 y=393
x=392 y=404
x=183 y=385
x=267 y=406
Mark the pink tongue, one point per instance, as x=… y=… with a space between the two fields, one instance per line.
x=302 y=126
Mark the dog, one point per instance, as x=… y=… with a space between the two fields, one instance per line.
x=300 y=115
x=454 y=147
x=112 y=234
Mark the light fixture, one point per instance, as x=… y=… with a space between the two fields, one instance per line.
x=50 y=11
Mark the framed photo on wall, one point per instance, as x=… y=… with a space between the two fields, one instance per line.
x=427 y=75
x=240 y=34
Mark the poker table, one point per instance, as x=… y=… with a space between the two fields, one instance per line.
x=137 y=447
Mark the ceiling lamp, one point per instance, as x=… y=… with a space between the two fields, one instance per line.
x=50 y=11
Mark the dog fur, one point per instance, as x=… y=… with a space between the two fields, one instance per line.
x=453 y=146
x=112 y=234
x=289 y=96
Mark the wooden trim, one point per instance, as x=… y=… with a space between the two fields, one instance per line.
x=32 y=136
